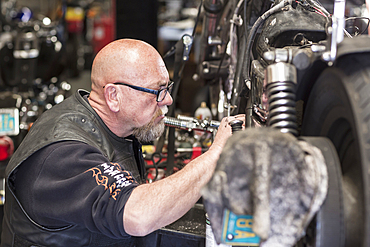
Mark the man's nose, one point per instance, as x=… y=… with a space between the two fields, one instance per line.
x=167 y=100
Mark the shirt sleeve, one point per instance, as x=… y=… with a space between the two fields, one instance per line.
x=73 y=183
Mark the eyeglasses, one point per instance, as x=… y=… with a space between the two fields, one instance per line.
x=161 y=93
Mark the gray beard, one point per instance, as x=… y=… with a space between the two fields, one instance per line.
x=149 y=132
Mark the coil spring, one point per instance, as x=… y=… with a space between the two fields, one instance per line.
x=282 y=111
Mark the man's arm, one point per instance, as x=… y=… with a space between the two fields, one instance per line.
x=155 y=205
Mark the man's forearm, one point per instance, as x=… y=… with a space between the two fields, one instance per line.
x=152 y=206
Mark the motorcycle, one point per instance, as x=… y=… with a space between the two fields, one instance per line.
x=297 y=67
x=31 y=52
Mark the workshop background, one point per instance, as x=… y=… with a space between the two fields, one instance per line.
x=65 y=37
x=85 y=26
x=89 y=25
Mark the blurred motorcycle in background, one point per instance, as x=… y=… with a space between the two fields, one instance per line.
x=31 y=65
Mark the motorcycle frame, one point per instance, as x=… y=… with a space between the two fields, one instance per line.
x=242 y=77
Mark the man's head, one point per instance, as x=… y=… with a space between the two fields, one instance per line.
x=119 y=73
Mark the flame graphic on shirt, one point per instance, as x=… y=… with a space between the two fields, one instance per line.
x=103 y=180
x=112 y=171
x=99 y=177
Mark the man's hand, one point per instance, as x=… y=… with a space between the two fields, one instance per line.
x=155 y=205
x=224 y=130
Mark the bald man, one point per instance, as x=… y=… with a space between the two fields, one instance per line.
x=77 y=179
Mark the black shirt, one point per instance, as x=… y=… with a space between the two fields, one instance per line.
x=70 y=183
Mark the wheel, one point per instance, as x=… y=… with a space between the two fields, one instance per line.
x=339 y=108
x=327 y=227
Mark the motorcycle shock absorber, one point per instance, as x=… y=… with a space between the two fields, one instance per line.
x=281 y=80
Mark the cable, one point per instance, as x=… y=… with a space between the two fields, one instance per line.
x=172 y=50
x=197 y=19
x=359 y=18
x=319 y=6
x=253 y=31
x=155 y=164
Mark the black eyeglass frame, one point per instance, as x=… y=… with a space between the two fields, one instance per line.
x=152 y=91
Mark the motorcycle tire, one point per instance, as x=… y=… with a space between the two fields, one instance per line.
x=327 y=227
x=339 y=109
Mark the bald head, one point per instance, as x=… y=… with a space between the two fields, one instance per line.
x=133 y=62
x=125 y=60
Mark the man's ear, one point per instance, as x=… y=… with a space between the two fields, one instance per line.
x=111 y=97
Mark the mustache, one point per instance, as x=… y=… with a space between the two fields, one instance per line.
x=163 y=110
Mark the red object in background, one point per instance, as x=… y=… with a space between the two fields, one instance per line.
x=6 y=147
x=75 y=19
x=103 y=32
x=75 y=26
x=196 y=151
